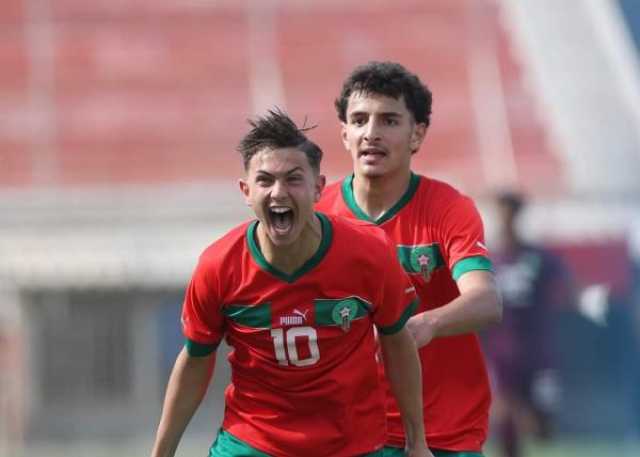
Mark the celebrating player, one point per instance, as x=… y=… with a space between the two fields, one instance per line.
x=385 y=111
x=295 y=294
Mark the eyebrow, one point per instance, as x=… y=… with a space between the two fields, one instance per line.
x=271 y=175
x=385 y=114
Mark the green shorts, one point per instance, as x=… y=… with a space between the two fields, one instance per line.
x=227 y=445
x=397 y=452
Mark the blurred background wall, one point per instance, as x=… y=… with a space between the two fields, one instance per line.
x=118 y=123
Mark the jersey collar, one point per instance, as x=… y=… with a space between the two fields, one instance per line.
x=350 y=200
x=327 y=235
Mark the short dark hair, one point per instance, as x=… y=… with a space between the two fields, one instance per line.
x=390 y=79
x=276 y=130
x=511 y=199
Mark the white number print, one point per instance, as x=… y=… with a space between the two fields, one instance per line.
x=278 y=335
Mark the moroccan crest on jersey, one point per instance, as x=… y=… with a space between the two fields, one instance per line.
x=340 y=311
x=422 y=259
x=344 y=312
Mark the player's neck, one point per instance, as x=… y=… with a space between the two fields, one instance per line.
x=509 y=242
x=288 y=259
x=376 y=195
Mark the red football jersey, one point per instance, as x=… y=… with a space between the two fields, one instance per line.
x=303 y=367
x=439 y=236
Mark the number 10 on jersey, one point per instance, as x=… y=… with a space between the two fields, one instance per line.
x=281 y=335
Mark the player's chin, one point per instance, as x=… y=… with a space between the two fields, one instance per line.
x=372 y=171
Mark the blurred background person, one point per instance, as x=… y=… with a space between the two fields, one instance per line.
x=535 y=284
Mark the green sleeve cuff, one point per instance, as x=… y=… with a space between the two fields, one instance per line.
x=395 y=328
x=467 y=264
x=195 y=349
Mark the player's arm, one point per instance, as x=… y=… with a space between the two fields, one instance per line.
x=479 y=303
x=187 y=385
x=478 y=306
x=402 y=368
x=397 y=300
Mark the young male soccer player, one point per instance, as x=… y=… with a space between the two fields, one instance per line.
x=385 y=110
x=295 y=294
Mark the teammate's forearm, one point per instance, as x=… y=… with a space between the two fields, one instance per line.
x=472 y=311
x=402 y=368
x=186 y=388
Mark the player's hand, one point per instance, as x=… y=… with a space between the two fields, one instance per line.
x=423 y=451
x=421 y=329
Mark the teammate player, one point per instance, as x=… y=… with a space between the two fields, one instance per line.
x=295 y=294
x=438 y=233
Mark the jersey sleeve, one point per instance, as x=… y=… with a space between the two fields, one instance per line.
x=464 y=239
x=202 y=318
x=397 y=300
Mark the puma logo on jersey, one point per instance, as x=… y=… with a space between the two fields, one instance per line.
x=297 y=317
x=408 y=290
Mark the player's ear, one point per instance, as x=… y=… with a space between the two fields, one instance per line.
x=343 y=135
x=417 y=136
x=244 y=188
x=321 y=181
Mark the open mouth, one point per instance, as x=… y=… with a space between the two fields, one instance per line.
x=281 y=219
x=373 y=152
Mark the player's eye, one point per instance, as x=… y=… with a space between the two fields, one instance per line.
x=359 y=121
x=263 y=180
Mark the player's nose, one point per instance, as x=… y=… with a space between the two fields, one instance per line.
x=371 y=131
x=278 y=189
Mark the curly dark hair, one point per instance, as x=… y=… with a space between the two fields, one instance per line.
x=390 y=79
x=277 y=130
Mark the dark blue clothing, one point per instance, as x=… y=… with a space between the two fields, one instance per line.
x=534 y=285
